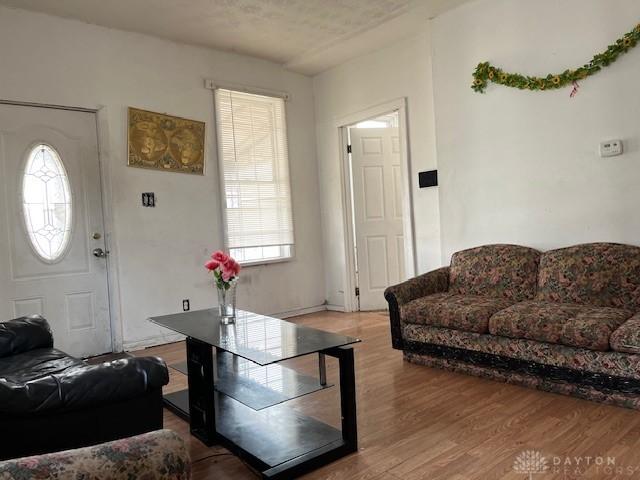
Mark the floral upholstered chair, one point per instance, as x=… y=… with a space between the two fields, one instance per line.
x=159 y=455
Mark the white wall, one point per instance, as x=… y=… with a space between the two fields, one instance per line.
x=401 y=70
x=522 y=167
x=160 y=252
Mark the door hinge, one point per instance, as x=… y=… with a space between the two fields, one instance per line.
x=348 y=148
x=357 y=291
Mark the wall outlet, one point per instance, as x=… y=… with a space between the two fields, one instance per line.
x=185 y=305
x=611 y=148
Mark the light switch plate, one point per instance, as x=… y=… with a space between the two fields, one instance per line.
x=611 y=148
x=149 y=199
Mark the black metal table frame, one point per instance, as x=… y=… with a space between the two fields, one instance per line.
x=202 y=415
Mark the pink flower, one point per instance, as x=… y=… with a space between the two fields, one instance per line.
x=230 y=269
x=212 y=265
x=220 y=257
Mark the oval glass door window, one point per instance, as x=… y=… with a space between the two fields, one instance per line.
x=46 y=203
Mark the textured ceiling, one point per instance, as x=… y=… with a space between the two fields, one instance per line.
x=284 y=31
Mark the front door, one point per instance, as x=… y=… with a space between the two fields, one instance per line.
x=51 y=223
x=377 y=197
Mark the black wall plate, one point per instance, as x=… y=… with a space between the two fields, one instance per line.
x=428 y=179
x=148 y=199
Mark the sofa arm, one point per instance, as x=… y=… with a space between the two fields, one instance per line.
x=626 y=338
x=23 y=334
x=432 y=282
x=112 y=381
x=85 y=386
x=420 y=286
x=159 y=455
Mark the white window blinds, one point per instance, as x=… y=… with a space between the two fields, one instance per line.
x=254 y=166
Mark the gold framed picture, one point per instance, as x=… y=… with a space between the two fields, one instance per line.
x=163 y=142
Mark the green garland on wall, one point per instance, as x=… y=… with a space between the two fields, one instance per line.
x=485 y=72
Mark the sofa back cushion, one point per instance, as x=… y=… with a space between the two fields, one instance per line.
x=500 y=271
x=24 y=334
x=601 y=274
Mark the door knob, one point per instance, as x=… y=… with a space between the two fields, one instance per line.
x=100 y=253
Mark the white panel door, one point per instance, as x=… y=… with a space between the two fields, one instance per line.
x=377 y=196
x=51 y=221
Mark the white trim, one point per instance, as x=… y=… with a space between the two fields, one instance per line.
x=213 y=85
x=113 y=274
x=342 y=123
x=408 y=224
x=299 y=311
x=350 y=299
x=269 y=261
x=153 y=341
x=370 y=113
x=45 y=105
x=335 y=308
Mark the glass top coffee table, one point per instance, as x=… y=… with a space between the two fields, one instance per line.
x=238 y=390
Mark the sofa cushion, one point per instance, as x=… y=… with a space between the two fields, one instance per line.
x=24 y=334
x=470 y=313
x=627 y=337
x=500 y=271
x=564 y=323
x=47 y=379
x=34 y=364
x=602 y=274
x=158 y=455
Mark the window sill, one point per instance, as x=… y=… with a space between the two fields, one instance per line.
x=257 y=263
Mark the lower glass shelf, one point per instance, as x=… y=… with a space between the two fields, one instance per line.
x=258 y=387
x=272 y=436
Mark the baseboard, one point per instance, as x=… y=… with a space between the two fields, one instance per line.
x=336 y=308
x=299 y=311
x=152 y=341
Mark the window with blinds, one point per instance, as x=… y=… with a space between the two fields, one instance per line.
x=254 y=165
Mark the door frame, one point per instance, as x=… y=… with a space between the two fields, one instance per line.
x=342 y=124
x=104 y=161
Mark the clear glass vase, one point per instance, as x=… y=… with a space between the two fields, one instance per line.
x=227 y=304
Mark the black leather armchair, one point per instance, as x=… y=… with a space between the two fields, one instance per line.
x=51 y=401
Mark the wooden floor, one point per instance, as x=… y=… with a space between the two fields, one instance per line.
x=420 y=423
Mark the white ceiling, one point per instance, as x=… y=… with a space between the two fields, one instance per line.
x=307 y=36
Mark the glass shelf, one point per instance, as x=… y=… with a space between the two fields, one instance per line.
x=261 y=339
x=258 y=387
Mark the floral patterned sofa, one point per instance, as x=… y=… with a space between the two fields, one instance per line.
x=159 y=455
x=566 y=321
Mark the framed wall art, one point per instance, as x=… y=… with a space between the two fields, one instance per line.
x=163 y=142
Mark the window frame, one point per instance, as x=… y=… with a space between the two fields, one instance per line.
x=220 y=170
x=268 y=261
x=27 y=155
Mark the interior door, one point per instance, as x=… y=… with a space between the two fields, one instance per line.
x=377 y=197
x=51 y=217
